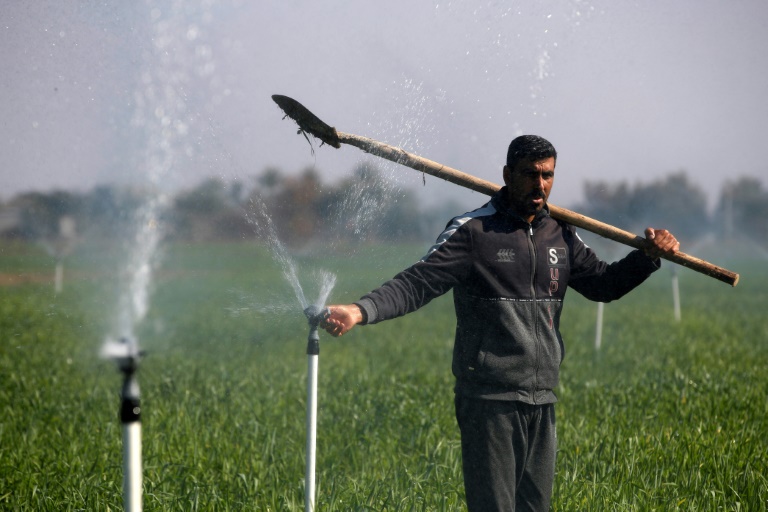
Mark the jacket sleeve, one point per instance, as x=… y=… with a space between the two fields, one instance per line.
x=435 y=274
x=602 y=282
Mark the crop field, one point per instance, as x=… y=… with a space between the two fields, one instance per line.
x=666 y=416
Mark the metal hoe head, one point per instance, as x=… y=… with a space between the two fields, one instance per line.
x=307 y=121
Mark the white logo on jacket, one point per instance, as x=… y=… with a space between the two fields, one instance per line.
x=557 y=256
x=506 y=255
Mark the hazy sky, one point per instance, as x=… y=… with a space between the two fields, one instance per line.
x=171 y=92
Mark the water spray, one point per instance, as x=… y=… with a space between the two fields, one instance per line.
x=315 y=315
x=127 y=355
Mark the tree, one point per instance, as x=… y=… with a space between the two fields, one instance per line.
x=672 y=202
x=207 y=212
x=109 y=210
x=41 y=213
x=743 y=209
x=294 y=207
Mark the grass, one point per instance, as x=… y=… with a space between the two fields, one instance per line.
x=667 y=416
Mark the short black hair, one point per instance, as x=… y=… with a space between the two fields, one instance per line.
x=529 y=147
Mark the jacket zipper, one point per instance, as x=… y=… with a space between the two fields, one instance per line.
x=534 y=306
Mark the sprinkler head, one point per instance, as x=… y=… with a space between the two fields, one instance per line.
x=316 y=314
x=125 y=353
x=129 y=362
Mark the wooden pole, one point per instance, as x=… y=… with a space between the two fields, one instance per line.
x=309 y=123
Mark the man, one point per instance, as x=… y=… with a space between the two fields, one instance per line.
x=509 y=264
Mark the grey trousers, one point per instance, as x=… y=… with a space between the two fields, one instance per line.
x=508 y=454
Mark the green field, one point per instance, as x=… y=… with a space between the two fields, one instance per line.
x=666 y=416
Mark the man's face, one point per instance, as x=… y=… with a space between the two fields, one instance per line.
x=529 y=184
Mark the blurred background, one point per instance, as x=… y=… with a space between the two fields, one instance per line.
x=656 y=109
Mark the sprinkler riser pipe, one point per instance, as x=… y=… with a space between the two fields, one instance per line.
x=130 y=417
x=313 y=342
x=132 y=471
x=309 y=476
x=59 y=277
x=676 y=295
x=130 y=403
x=599 y=325
x=314 y=315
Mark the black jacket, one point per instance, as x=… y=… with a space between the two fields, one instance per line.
x=509 y=280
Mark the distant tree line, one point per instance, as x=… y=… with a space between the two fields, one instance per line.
x=362 y=206
x=676 y=203
x=365 y=206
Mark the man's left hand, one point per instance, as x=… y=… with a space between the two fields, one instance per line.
x=660 y=242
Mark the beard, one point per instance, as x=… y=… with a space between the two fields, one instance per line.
x=531 y=205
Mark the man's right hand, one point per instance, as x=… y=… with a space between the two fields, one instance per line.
x=341 y=318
